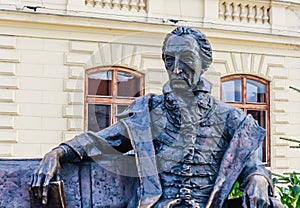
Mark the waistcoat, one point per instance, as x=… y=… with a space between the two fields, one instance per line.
x=189 y=148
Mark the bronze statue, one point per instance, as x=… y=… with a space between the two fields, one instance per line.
x=189 y=148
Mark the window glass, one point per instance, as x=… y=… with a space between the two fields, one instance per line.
x=256 y=92
x=99 y=117
x=100 y=83
x=250 y=93
x=232 y=90
x=128 y=85
x=109 y=90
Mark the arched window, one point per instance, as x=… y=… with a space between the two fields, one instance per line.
x=108 y=91
x=251 y=94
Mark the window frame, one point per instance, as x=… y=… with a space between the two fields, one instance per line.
x=113 y=100
x=253 y=106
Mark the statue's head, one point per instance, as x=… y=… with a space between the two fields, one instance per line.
x=187 y=55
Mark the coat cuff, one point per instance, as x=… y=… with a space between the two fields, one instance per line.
x=270 y=182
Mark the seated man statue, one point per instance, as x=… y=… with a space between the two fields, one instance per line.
x=189 y=148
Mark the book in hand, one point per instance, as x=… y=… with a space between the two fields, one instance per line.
x=56 y=196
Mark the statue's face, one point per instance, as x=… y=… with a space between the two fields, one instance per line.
x=182 y=61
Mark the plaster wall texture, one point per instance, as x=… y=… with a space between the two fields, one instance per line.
x=44 y=55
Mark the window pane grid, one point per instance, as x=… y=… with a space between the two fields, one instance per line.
x=108 y=90
x=248 y=106
x=254 y=100
x=109 y=100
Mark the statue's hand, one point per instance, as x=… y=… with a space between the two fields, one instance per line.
x=48 y=168
x=256 y=193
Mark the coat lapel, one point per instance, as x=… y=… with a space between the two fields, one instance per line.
x=139 y=129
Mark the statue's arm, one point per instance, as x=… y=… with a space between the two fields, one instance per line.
x=113 y=139
x=256 y=183
x=110 y=140
x=255 y=178
x=254 y=167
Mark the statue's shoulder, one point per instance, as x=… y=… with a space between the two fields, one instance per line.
x=144 y=103
x=225 y=110
x=224 y=106
x=231 y=113
x=151 y=101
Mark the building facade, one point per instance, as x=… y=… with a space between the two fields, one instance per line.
x=54 y=54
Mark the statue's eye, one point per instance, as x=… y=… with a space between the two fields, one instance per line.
x=169 y=60
x=188 y=60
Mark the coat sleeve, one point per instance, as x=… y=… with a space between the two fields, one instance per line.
x=112 y=140
x=253 y=166
x=244 y=136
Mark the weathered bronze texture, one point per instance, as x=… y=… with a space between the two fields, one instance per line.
x=189 y=147
x=87 y=184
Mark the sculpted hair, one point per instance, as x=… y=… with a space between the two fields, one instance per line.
x=205 y=48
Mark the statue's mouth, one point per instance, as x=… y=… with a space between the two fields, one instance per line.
x=179 y=82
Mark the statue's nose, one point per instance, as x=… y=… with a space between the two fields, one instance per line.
x=177 y=68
